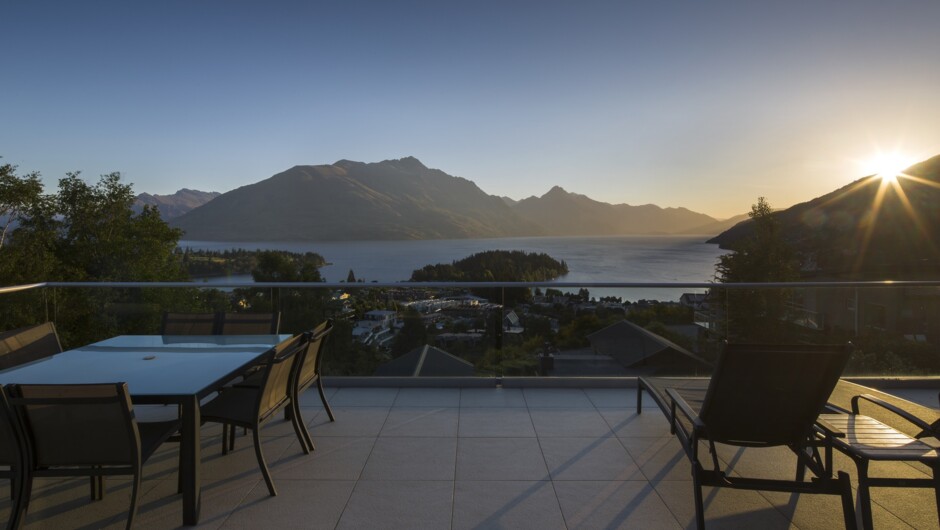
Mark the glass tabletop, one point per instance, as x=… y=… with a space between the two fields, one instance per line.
x=151 y=365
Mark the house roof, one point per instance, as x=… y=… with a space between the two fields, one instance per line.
x=631 y=344
x=426 y=361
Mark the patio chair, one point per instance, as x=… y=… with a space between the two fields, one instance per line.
x=250 y=407
x=308 y=373
x=84 y=430
x=190 y=324
x=11 y=457
x=28 y=344
x=867 y=439
x=763 y=396
x=250 y=323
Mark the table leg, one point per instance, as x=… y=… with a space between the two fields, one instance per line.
x=190 y=459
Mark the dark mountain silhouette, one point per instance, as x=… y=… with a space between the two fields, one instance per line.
x=175 y=205
x=867 y=229
x=393 y=199
x=570 y=214
x=403 y=199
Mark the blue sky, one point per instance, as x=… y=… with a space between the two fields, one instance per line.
x=701 y=104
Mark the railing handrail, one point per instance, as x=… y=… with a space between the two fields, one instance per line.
x=477 y=285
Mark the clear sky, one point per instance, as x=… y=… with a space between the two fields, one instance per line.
x=701 y=104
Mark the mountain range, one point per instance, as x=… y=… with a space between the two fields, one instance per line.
x=174 y=205
x=404 y=199
x=871 y=228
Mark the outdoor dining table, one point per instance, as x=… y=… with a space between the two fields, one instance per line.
x=158 y=370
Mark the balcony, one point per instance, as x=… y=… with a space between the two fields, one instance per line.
x=493 y=451
x=468 y=458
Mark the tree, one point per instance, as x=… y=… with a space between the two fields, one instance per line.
x=18 y=196
x=351 y=277
x=412 y=335
x=302 y=309
x=89 y=232
x=757 y=315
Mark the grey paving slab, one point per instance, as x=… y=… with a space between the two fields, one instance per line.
x=350 y=421
x=724 y=507
x=311 y=398
x=500 y=459
x=490 y=458
x=412 y=459
x=313 y=504
x=612 y=397
x=491 y=397
x=490 y=422
x=665 y=459
x=421 y=421
x=824 y=512
x=506 y=504
x=241 y=462
x=925 y=397
x=588 y=459
x=613 y=504
x=428 y=397
x=399 y=504
x=915 y=506
x=335 y=458
x=162 y=508
x=556 y=397
x=364 y=397
x=552 y=422
x=627 y=423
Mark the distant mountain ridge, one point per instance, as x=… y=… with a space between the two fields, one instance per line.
x=867 y=229
x=404 y=199
x=174 y=205
x=393 y=199
x=569 y=214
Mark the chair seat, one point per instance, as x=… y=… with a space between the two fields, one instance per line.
x=233 y=405
x=873 y=440
x=153 y=434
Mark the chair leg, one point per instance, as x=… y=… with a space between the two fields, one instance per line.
x=936 y=487
x=264 y=467
x=302 y=433
x=135 y=492
x=864 y=493
x=21 y=505
x=17 y=514
x=848 y=507
x=699 y=504
x=224 y=439
x=326 y=404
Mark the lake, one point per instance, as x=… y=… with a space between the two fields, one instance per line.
x=589 y=259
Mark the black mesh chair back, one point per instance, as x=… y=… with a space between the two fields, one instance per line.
x=249 y=406
x=766 y=395
x=250 y=323
x=28 y=344
x=189 y=324
x=95 y=420
x=308 y=373
x=278 y=372
x=84 y=430
x=309 y=369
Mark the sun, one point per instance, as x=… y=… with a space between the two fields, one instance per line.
x=887 y=165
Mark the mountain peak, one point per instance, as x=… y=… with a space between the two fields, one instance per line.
x=408 y=163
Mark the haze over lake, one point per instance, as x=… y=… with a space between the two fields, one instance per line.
x=589 y=259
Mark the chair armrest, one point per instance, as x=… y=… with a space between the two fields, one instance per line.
x=923 y=425
x=828 y=429
x=687 y=411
